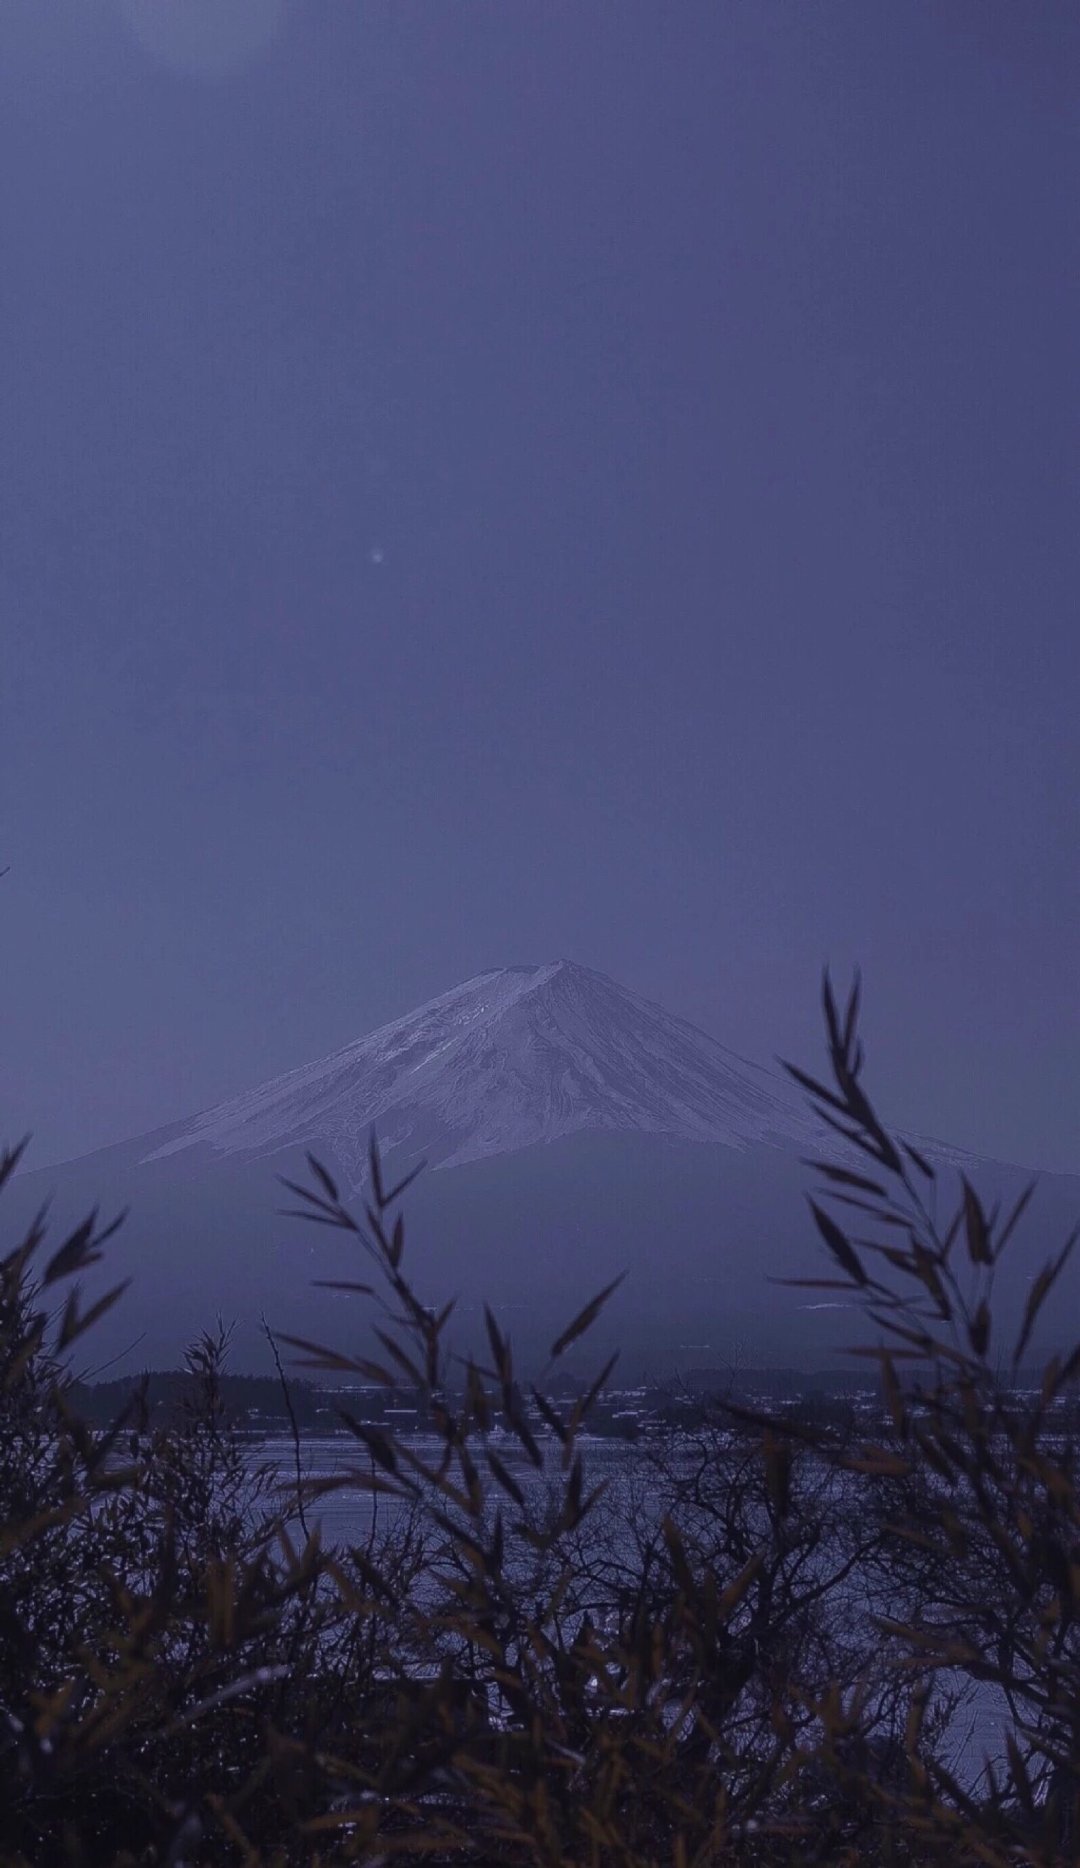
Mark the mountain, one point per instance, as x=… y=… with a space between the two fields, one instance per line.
x=572 y=1130
x=512 y=1058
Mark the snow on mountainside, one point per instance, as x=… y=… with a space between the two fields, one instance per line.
x=513 y=1057
x=671 y=1159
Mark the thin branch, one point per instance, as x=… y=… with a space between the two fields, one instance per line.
x=269 y=1334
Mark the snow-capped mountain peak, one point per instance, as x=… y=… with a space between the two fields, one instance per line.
x=510 y=1058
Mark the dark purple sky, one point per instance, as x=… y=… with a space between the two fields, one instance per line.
x=483 y=482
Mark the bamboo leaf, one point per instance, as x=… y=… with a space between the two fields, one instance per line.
x=10 y=1159
x=504 y=1477
x=74 y=1325
x=324 y=1178
x=396 y=1192
x=976 y=1230
x=979 y=1329
x=839 y=1245
x=305 y=1193
x=852 y=1015
x=377 y=1443
x=845 y=1177
x=1041 y=1286
x=585 y=1317
x=815 y=1088
x=1014 y=1217
x=920 y=1160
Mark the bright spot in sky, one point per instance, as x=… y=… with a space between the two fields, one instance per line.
x=377 y=554
x=208 y=38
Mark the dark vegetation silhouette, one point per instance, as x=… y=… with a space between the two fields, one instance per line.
x=753 y=1643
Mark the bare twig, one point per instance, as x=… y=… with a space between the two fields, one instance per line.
x=269 y=1334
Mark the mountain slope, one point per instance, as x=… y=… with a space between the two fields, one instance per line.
x=511 y=1058
x=575 y=1130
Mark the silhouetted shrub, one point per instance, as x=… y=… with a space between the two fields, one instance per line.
x=748 y=1644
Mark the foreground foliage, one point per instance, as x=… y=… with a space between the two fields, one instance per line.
x=750 y=1647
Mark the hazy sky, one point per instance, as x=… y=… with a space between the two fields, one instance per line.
x=484 y=481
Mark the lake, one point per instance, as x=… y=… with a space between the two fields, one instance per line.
x=346 y=1516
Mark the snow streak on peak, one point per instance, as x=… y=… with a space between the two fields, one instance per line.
x=510 y=1058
